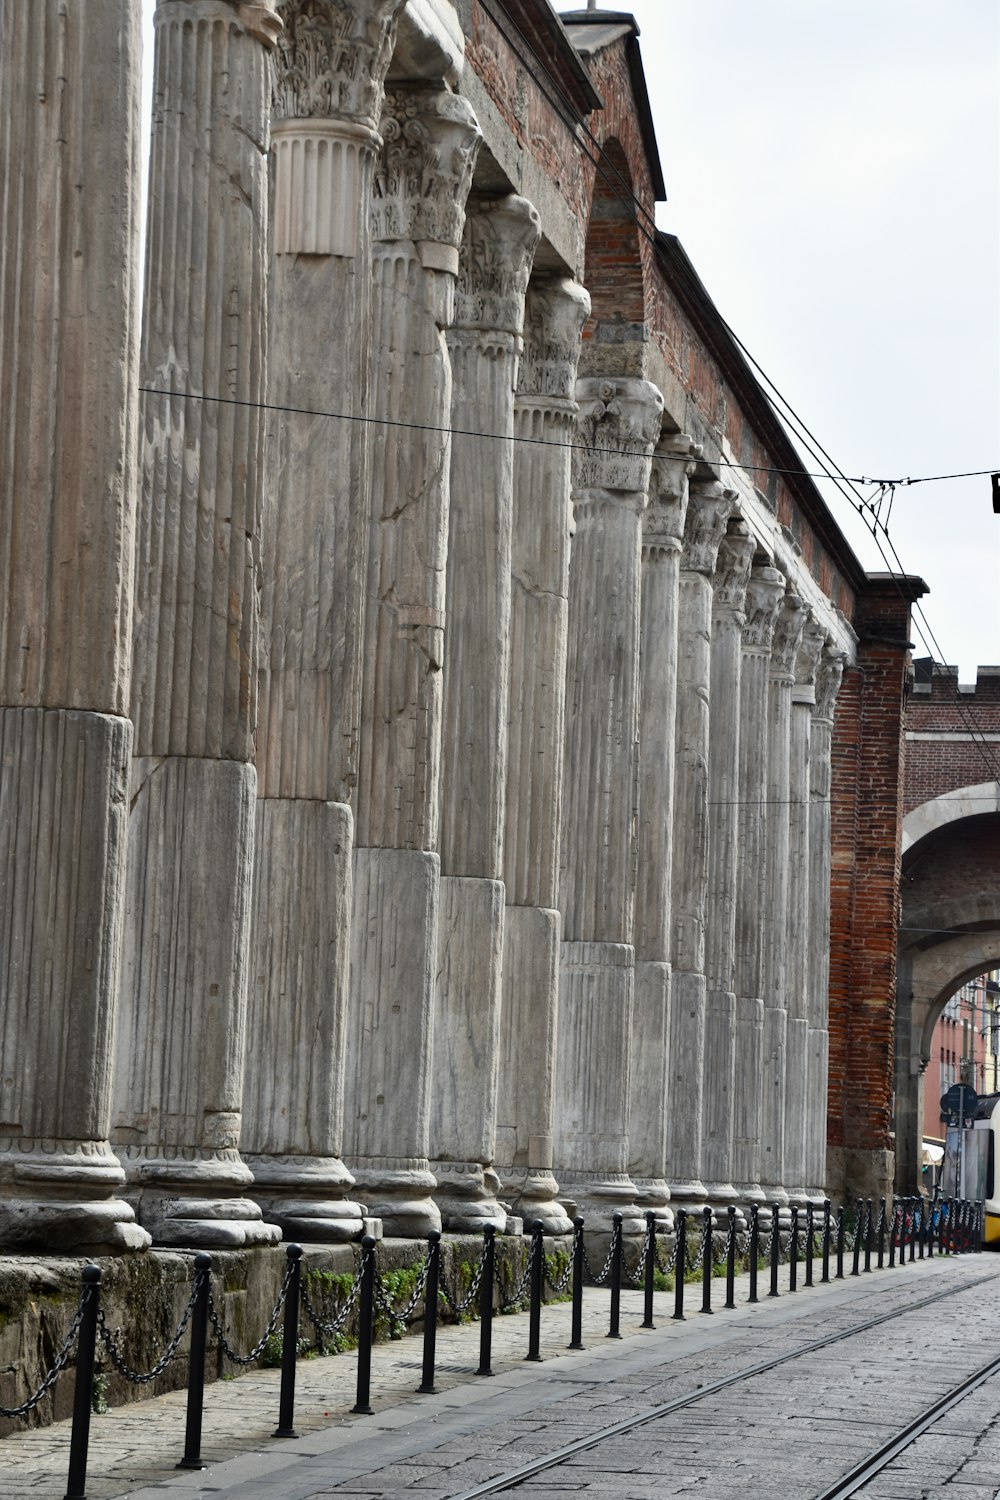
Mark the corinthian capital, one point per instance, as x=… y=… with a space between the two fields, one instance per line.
x=498 y=247
x=430 y=141
x=732 y=569
x=710 y=505
x=554 y=314
x=829 y=675
x=618 y=424
x=807 y=659
x=788 y=629
x=673 y=465
x=332 y=58
x=765 y=590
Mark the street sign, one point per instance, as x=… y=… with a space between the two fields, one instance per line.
x=959 y=1102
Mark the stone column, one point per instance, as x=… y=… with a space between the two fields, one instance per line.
x=545 y=420
x=828 y=678
x=326 y=102
x=765 y=590
x=619 y=423
x=662 y=543
x=784 y=646
x=485 y=342
x=708 y=511
x=422 y=180
x=69 y=190
x=732 y=573
x=179 y=1080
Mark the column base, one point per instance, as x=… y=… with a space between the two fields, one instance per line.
x=534 y=1194
x=193 y=1199
x=691 y=1195
x=398 y=1191
x=653 y=1193
x=720 y=1196
x=599 y=1196
x=59 y=1197
x=466 y=1194
x=303 y=1196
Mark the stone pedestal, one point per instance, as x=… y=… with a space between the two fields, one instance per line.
x=709 y=507
x=179 y=1081
x=619 y=423
x=765 y=589
x=69 y=199
x=545 y=420
x=485 y=342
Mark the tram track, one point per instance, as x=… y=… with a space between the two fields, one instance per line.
x=857 y=1477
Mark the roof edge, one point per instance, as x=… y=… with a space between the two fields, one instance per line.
x=637 y=78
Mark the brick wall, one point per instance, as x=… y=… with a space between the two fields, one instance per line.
x=939 y=705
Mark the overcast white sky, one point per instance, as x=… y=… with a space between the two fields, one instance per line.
x=832 y=169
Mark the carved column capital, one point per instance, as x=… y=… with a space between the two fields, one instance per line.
x=732 y=569
x=618 y=424
x=332 y=58
x=788 y=628
x=829 y=675
x=423 y=174
x=710 y=505
x=765 y=591
x=673 y=464
x=555 y=312
x=807 y=660
x=260 y=18
x=494 y=264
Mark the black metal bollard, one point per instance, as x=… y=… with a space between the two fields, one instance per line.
x=196 y=1363
x=840 y=1243
x=754 y=1252
x=945 y=1222
x=793 y=1252
x=916 y=1226
x=730 y=1301
x=892 y=1234
x=859 y=1231
x=881 y=1234
x=535 y=1305
x=869 y=1235
x=930 y=1232
x=649 y=1270
x=83 y=1389
x=366 y=1328
x=921 y=1230
x=576 y=1333
x=706 y=1260
x=290 y=1345
x=980 y=1209
x=825 y=1273
x=486 y=1300
x=432 y=1291
x=680 y=1262
x=809 y=1245
x=617 y=1255
x=775 y=1247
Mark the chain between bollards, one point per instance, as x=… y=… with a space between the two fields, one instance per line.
x=290 y=1345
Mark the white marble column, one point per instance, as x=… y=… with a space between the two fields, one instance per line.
x=179 y=1079
x=732 y=573
x=485 y=342
x=545 y=421
x=829 y=673
x=69 y=201
x=709 y=508
x=618 y=426
x=765 y=590
x=662 y=544
x=781 y=678
x=422 y=181
x=326 y=101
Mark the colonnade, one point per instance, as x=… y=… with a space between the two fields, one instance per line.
x=451 y=765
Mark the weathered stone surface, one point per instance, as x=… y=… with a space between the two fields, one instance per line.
x=648 y=1088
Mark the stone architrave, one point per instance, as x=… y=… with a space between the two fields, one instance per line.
x=179 y=1077
x=765 y=591
x=662 y=543
x=331 y=61
x=781 y=679
x=69 y=190
x=619 y=424
x=422 y=181
x=545 y=420
x=798 y=938
x=497 y=250
x=709 y=508
x=732 y=573
x=829 y=674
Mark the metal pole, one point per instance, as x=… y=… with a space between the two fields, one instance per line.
x=775 y=1248
x=617 y=1255
x=650 y=1270
x=431 y=1293
x=809 y=1245
x=576 y=1333
x=754 y=1251
x=290 y=1345
x=535 y=1306
x=859 y=1231
x=730 y=1301
x=793 y=1252
x=196 y=1363
x=840 y=1242
x=366 y=1328
x=915 y=1227
x=83 y=1389
x=892 y=1234
x=881 y=1234
x=825 y=1276
x=486 y=1300
x=680 y=1262
x=869 y=1235
x=706 y=1260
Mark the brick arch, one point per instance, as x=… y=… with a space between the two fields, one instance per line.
x=614 y=272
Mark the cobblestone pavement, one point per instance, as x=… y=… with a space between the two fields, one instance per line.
x=786 y=1433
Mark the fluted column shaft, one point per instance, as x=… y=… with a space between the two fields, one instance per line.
x=787 y=633
x=765 y=589
x=619 y=423
x=424 y=171
x=725 y=727
x=545 y=421
x=69 y=198
x=485 y=342
x=708 y=511
x=829 y=673
x=662 y=544
x=179 y=1083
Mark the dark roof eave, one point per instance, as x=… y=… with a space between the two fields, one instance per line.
x=531 y=17
x=686 y=284
x=637 y=78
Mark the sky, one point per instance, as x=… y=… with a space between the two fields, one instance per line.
x=833 y=171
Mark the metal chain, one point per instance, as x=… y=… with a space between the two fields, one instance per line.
x=463 y=1306
x=61 y=1361
x=110 y=1342
x=403 y=1314
x=518 y=1295
x=564 y=1280
x=706 y=1238
x=258 y=1348
x=599 y=1280
x=326 y=1326
x=665 y=1267
x=637 y=1278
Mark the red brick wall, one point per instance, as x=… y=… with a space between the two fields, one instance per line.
x=937 y=766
